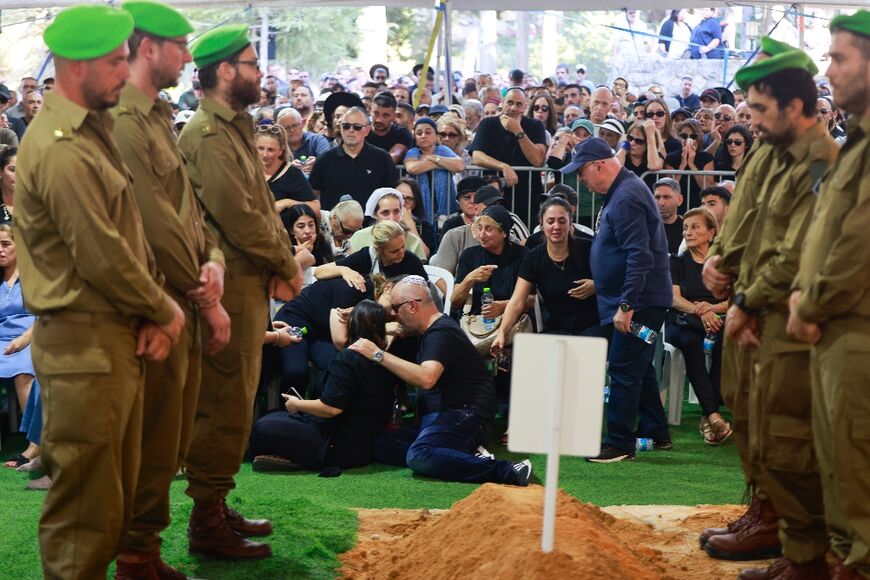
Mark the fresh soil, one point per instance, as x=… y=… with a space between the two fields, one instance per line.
x=495 y=533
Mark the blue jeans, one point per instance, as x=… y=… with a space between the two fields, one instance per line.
x=634 y=389
x=31 y=420
x=445 y=448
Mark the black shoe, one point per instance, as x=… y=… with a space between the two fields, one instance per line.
x=522 y=473
x=273 y=463
x=665 y=445
x=610 y=454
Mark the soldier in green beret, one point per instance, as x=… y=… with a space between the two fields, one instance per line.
x=721 y=270
x=186 y=253
x=830 y=307
x=227 y=177
x=89 y=274
x=782 y=95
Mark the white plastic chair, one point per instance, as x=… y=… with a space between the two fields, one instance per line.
x=435 y=273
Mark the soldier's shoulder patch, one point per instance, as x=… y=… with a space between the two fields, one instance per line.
x=62 y=134
x=125 y=110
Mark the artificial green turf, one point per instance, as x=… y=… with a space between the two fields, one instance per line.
x=313 y=523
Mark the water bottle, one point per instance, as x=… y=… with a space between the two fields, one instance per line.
x=396 y=417
x=486 y=299
x=606 y=394
x=644 y=444
x=648 y=335
x=709 y=342
x=297 y=331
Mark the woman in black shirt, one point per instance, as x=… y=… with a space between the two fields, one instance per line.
x=559 y=270
x=287 y=183
x=691 y=158
x=697 y=313
x=338 y=429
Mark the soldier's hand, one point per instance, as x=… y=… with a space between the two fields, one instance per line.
x=153 y=343
x=715 y=281
x=174 y=327
x=285 y=290
x=735 y=320
x=218 y=322
x=211 y=285
x=748 y=335
x=807 y=332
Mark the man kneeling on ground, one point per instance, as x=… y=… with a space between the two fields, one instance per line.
x=446 y=447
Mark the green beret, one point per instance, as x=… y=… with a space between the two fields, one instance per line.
x=771 y=47
x=219 y=43
x=87 y=31
x=756 y=71
x=859 y=23
x=158 y=19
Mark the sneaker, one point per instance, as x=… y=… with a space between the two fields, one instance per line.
x=610 y=454
x=484 y=453
x=665 y=445
x=522 y=473
x=273 y=463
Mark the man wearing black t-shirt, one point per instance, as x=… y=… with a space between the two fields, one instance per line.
x=356 y=168
x=385 y=134
x=669 y=198
x=446 y=446
x=513 y=140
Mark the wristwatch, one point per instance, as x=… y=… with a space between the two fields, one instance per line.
x=437 y=160
x=378 y=357
x=740 y=302
x=521 y=135
x=625 y=307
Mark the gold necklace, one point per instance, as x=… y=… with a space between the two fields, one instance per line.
x=560 y=264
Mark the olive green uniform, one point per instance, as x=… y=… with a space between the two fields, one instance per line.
x=730 y=245
x=835 y=278
x=89 y=275
x=176 y=230
x=780 y=429
x=227 y=176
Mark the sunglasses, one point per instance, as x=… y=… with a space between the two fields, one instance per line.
x=725 y=118
x=544 y=108
x=823 y=112
x=409 y=198
x=658 y=114
x=397 y=307
x=270 y=129
x=733 y=142
x=355 y=126
x=685 y=136
x=448 y=135
x=637 y=140
x=344 y=229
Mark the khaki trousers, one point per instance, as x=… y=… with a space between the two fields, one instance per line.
x=226 y=397
x=92 y=384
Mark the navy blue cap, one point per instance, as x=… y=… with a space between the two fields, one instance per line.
x=426 y=121
x=592 y=149
x=435 y=109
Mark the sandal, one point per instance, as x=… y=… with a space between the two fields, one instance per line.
x=704 y=429
x=721 y=430
x=17 y=461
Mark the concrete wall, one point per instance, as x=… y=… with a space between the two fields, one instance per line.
x=654 y=70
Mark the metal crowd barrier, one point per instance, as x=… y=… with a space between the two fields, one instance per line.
x=691 y=198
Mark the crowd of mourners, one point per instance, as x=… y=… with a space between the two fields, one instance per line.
x=405 y=236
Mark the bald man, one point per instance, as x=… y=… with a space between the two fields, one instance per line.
x=600 y=104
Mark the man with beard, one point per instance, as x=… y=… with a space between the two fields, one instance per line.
x=512 y=140
x=88 y=273
x=186 y=254
x=227 y=177
x=385 y=135
x=830 y=307
x=782 y=95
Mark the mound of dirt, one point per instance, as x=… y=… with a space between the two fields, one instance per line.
x=496 y=533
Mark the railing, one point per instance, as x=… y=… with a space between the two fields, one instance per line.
x=691 y=192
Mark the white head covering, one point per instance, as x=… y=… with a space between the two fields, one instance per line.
x=375 y=198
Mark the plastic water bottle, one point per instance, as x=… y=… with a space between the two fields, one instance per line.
x=709 y=342
x=396 y=417
x=648 y=335
x=606 y=394
x=297 y=331
x=485 y=300
x=644 y=444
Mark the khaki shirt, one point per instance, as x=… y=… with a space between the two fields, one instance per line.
x=787 y=200
x=171 y=215
x=730 y=244
x=227 y=176
x=835 y=265
x=78 y=230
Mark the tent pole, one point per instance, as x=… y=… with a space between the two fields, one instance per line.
x=424 y=70
x=448 y=67
x=439 y=24
x=264 y=41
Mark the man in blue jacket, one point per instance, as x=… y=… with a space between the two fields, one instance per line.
x=629 y=261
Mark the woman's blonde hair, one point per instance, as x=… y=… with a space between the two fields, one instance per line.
x=385 y=232
x=277 y=132
x=8 y=229
x=485 y=220
x=455 y=123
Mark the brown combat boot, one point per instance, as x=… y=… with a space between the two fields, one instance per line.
x=783 y=569
x=245 y=527
x=165 y=571
x=752 y=513
x=209 y=534
x=134 y=565
x=756 y=540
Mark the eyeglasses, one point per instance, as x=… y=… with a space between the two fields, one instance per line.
x=822 y=112
x=182 y=44
x=733 y=142
x=397 y=307
x=725 y=118
x=448 y=135
x=409 y=198
x=583 y=168
x=658 y=114
x=685 y=136
x=466 y=197
x=254 y=62
x=637 y=140
x=355 y=126
x=543 y=108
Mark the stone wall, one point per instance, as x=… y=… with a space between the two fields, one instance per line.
x=654 y=70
